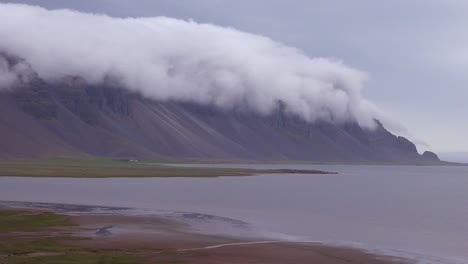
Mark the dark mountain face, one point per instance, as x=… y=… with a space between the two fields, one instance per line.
x=72 y=118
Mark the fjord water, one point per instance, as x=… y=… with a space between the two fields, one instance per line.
x=416 y=209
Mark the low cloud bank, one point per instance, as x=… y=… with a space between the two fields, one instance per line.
x=171 y=59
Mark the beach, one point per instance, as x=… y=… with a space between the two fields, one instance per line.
x=152 y=239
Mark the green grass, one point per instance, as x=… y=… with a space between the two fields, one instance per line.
x=14 y=221
x=28 y=237
x=170 y=261
x=106 y=168
x=18 y=242
x=76 y=258
x=16 y=250
x=18 y=246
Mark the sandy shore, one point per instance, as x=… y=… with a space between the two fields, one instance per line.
x=159 y=240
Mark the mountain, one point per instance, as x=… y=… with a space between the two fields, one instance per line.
x=72 y=118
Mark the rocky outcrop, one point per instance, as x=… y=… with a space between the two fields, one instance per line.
x=430 y=156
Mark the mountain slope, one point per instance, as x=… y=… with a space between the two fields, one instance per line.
x=71 y=118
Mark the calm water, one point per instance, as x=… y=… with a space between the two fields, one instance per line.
x=422 y=210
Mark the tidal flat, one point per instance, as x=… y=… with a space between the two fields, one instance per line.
x=40 y=236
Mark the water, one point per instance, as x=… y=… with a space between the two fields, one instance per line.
x=422 y=210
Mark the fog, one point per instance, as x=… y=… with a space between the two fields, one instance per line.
x=171 y=59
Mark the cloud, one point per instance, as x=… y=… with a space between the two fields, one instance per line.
x=170 y=59
x=7 y=77
x=11 y=73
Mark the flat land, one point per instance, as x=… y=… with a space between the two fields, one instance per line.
x=40 y=237
x=106 y=168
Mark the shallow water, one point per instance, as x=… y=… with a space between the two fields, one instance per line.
x=414 y=209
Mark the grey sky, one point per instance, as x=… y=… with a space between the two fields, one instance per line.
x=415 y=51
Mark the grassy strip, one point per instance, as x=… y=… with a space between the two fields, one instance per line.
x=14 y=221
x=40 y=248
x=105 y=168
x=103 y=258
x=21 y=246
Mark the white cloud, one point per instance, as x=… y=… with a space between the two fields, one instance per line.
x=171 y=59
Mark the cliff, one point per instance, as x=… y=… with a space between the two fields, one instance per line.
x=72 y=118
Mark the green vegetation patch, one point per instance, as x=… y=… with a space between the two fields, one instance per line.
x=105 y=168
x=26 y=221
x=33 y=246
x=76 y=258
x=170 y=261
x=21 y=246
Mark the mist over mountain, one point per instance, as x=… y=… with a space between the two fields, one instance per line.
x=72 y=118
x=171 y=59
x=76 y=84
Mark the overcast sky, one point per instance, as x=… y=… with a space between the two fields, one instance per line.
x=415 y=51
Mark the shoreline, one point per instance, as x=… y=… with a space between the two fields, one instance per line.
x=156 y=239
x=114 y=168
x=127 y=169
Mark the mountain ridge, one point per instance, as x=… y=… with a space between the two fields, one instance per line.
x=73 y=118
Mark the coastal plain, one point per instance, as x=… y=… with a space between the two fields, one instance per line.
x=39 y=236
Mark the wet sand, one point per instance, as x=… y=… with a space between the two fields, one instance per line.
x=157 y=239
x=161 y=240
